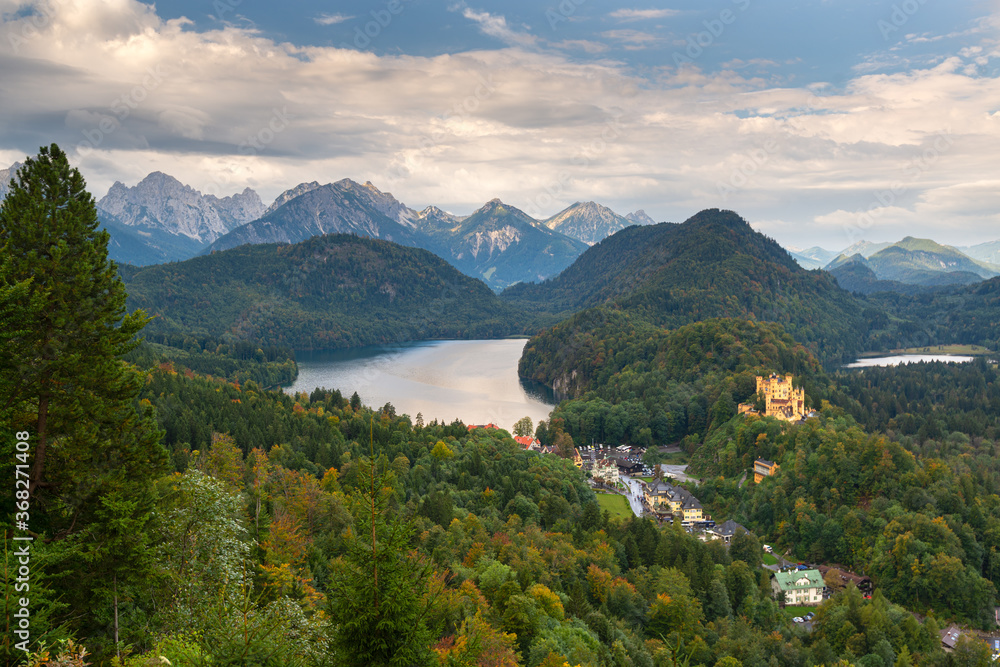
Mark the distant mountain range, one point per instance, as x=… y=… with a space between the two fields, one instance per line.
x=161 y=220
x=912 y=261
x=162 y=203
x=906 y=266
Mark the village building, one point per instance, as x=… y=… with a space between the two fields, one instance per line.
x=763 y=468
x=840 y=577
x=950 y=637
x=626 y=467
x=801 y=587
x=781 y=399
x=490 y=425
x=725 y=531
x=529 y=443
x=663 y=497
x=606 y=470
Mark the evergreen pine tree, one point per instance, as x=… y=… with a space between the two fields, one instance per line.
x=64 y=382
x=377 y=590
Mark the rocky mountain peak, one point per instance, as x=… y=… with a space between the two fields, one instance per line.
x=161 y=202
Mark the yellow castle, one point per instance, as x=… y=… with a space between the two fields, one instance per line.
x=781 y=399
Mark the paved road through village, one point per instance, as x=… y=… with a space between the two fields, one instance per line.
x=634 y=494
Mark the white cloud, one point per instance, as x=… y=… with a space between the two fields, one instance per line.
x=537 y=128
x=331 y=19
x=642 y=14
x=496 y=26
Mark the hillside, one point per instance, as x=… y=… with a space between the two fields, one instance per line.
x=328 y=292
x=712 y=265
x=855 y=275
x=629 y=381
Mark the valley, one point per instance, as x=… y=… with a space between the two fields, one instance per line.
x=265 y=357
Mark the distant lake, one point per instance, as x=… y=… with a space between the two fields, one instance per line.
x=472 y=380
x=907 y=359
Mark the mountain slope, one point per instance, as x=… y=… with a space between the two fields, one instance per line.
x=587 y=221
x=503 y=245
x=713 y=265
x=327 y=292
x=344 y=207
x=984 y=252
x=6 y=175
x=855 y=275
x=924 y=262
x=812 y=258
x=640 y=218
x=141 y=246
x=160 y=202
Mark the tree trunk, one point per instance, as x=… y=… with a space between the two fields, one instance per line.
x=117 y=649
x=38 y=468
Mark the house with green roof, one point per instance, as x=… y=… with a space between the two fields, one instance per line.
x=801 y=587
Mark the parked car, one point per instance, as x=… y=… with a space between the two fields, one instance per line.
x=809 y=616
x=802 y=566
x=797 y=619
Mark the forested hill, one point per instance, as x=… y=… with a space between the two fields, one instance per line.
x=630 y=381
x=328 y=292
x=712 y=265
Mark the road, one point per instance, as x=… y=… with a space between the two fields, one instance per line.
x=634 y=494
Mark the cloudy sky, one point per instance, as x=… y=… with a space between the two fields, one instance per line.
x=820 y=121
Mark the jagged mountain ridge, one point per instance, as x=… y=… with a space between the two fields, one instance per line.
x=498 y=244
x=161 y=202
x=501 y=244
x=588 y=222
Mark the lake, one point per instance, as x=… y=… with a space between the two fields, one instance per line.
x=472 y=380
x=907 y=359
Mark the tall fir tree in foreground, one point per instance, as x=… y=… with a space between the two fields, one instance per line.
x=377 y=595
x=64 y=382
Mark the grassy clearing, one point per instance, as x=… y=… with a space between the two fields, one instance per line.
x=769 y=559
x=676 y=458
x=617 y=505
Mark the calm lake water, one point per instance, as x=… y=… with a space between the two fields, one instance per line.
x=472 y=380
x=907 y=359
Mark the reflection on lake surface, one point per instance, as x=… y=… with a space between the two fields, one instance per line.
x=907 y=359
x=472 y=380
